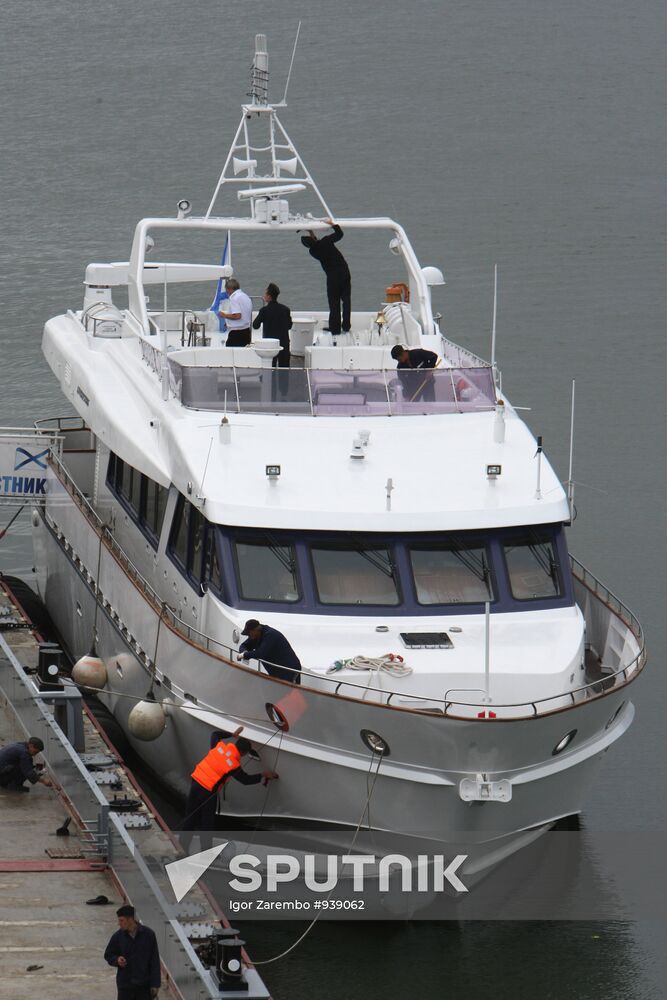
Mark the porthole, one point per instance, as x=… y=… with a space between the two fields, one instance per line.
x=615 y=715
x=277 y=717
x=374 y=742
x=564 y=742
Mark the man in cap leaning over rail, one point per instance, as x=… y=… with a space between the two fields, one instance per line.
x=273 y=650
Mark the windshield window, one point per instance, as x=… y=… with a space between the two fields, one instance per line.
x=266 y=570
x=451 y=573
x=354 y=573
x=532 y=565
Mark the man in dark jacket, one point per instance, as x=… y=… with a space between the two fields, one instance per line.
x=334 y=265
x=276 y=321
x=272 y=648
x=413 y=370
x=133 y=951
x=17 y=766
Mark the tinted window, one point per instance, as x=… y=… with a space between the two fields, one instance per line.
x=354 y=574
x=267 y=570
x=197 y=528
x=155 y=505
x=130 y=486
x=211 y=564
x=451 y=574
x=532 y=565
x=179 y=531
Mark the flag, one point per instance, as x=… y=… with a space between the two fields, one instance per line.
x=221 y=294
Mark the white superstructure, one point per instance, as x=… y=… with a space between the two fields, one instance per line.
x=360 y=510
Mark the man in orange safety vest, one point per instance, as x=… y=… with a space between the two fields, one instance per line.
x=222 y=762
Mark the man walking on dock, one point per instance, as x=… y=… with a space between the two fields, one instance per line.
x=17 y=765
x=133 y=951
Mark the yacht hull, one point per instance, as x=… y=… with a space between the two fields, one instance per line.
x=325 y=770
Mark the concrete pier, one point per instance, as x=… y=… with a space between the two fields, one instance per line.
x=51 y=941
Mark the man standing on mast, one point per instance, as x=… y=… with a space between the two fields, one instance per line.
x=334 y=265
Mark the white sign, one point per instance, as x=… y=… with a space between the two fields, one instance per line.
x=24 y=465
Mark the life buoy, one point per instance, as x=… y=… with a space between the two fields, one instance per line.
x=398 y=292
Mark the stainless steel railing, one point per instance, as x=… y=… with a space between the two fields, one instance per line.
x=332 y=685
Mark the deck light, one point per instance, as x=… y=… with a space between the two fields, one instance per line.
x=273 y=472
x=357 y=447
x=493 y=471
x=184 y=208
x=395 y=246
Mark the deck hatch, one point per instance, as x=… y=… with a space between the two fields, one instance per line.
x=426 y=640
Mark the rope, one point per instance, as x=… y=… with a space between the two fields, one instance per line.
x=169 y=704
x=216 y=790
x=4 y=531
x=268 y=961
x=389 y=663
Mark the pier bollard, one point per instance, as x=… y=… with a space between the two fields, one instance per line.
x=228 y=961
x=48 y=666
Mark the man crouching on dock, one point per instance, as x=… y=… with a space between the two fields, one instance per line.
x=17 y=765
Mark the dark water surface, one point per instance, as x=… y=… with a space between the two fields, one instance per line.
x=531 y=134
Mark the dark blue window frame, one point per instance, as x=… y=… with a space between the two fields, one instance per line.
x=280 y=538
x=114 y=482
x=195 y=576
x=493 y=540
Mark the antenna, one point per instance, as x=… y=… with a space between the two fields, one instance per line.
x=538 y=454
x=259 y=87
x=200 y=495
x=495 y=313
x=570 y=481
x=283 y=103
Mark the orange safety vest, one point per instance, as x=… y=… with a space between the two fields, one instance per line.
x=223 y=758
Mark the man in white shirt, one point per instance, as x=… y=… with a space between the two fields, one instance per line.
x=238 y=316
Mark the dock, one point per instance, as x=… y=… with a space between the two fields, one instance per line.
x=53 y=940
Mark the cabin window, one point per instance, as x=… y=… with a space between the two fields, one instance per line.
x=355 y=573
x=197 y=530
x=532 y=565
x=266 y=569
x=154 y=507
x=178 y=543
x=451 y=573
x=144 y=500
x=211 y=573
x=130 y=486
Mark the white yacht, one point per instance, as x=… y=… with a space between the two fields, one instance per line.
x=359 y=510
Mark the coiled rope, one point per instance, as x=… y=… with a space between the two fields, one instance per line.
x=390 y=663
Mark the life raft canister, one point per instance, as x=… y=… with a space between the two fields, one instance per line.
x=398 y=292
x=223 y=758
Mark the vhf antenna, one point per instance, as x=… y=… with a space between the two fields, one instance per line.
x=283 y=103
x=259 y=86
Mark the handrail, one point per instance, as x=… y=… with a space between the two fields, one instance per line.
x=538 y=706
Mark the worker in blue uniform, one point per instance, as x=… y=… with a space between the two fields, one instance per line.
x=273 y=650
x=414 y=367
x=17 y=765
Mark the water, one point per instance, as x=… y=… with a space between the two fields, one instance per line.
x=527 y=134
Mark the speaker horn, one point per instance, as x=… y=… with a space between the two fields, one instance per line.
x=241 y=165
x=287 y=165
